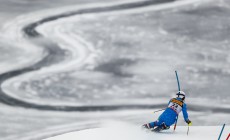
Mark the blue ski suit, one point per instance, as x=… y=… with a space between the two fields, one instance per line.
x=169 y=116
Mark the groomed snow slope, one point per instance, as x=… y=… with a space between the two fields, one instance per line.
x=123 y=131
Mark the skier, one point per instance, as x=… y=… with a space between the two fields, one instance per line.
x=169 y=116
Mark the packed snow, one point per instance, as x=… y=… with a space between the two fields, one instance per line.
x=121 y=57
x=125 y=131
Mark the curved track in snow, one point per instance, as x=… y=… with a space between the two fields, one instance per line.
x=54 y=51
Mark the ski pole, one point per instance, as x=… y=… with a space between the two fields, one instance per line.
x=188 y=130
x=221 y=132
x=178 y=84
x=175 y=125
x=159 y=110
x=228 y=136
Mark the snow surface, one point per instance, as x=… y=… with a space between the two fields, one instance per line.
x=82 y=53
x=50 y=123
x=125 y=131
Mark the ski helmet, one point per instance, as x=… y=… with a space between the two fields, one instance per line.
x=181 y=94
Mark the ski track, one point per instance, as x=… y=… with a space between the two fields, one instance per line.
x=36 y=26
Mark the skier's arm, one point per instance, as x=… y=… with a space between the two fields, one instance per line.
x=185 y=113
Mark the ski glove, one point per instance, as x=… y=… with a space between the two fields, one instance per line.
x=189 y=122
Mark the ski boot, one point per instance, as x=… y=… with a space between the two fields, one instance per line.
x=162 y=127
x=146 y=126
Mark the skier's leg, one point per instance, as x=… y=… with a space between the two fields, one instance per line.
x=168 y=120
x=156 y=123
x=152 y=124
x=163 y=122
